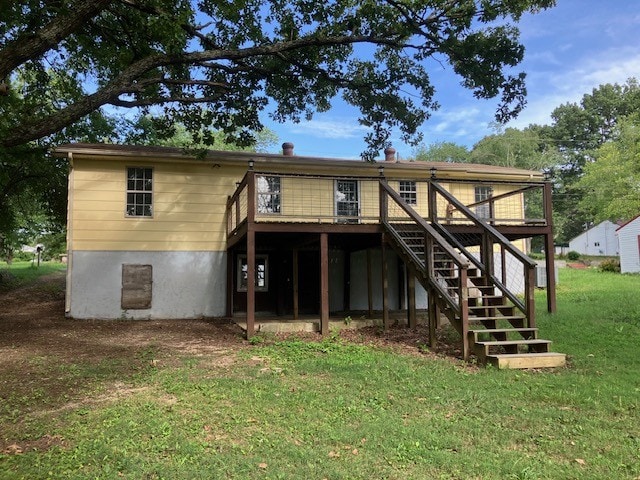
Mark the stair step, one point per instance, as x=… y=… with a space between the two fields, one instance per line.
x=501 y=343
x=528 y=360
x=492 y=331
x=497 y=317
x=485 y=348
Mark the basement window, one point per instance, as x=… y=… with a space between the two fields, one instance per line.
x=262 y=273
x=139 y=192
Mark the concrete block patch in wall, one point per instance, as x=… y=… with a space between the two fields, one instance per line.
x=137 y=282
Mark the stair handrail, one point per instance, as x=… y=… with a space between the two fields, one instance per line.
x=442 y=243
x=529 y=265
x=482 y=224
x=433 y=238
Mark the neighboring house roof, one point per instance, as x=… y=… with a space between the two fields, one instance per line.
x=595 y=227
x=173 y=154
x=627 y=223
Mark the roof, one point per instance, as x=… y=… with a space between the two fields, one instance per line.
x=627 y=223
x=263 y=160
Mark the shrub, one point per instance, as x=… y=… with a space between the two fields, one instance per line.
x=573 y=255
x=610 y=265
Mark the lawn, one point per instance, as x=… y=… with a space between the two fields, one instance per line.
x=347 y=410
x=20 y=273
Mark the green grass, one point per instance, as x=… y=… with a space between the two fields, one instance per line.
x=335 y=410
x=21 y=273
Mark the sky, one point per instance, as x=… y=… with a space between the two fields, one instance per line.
x=570 y=50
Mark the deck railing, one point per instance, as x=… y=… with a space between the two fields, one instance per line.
x=287 y=198
x=307 y=198
x=504 y=203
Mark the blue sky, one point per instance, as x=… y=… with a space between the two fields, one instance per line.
x=570 y=50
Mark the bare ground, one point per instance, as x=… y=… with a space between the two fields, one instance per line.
x=40 y=351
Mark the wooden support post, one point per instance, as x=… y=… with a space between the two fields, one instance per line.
x=251 y=282
x=433 y=316
x=549 y=250
x=251 y=254
x=411 y=298
x=463 y=295
x=369 y=285
x=324 y=283
x=385 y=285
x=296 y=285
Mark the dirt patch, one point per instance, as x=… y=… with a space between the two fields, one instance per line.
x=48 y=362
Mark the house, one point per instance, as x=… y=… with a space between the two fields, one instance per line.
x=629 y=241
x=155 y=232
x=598 y=240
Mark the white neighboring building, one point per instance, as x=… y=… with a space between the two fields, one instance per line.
x=598 y=240
x=629 y=240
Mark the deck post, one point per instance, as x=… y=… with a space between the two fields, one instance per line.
x=324 y=283
x=295 y=278
x=411 y=298
x=549 y=250
x=433 y=314
x=369 y=284
x=385 y=284
x=251 y=254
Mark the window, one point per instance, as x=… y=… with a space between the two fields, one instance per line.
x=139 y=192
x=482 y=193
x=347 y=204
x=596 y=244
x=268 y=197
x=262 y=273
x=408 y=191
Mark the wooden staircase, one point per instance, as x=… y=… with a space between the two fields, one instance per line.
x=495 y=324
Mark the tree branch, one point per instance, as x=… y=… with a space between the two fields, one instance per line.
x=34 y=44
x=123 y=83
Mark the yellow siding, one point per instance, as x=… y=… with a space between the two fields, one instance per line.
x=189 y=203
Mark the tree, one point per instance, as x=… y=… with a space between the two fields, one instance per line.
x=514 y=148
x=611 y=184
x=449 y=152
x=150 y=130
x=577 y=133
x=221 y=63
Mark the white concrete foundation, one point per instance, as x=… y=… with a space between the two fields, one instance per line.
x=185 y=284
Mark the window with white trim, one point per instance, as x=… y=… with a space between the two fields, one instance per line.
x=482 y=192
x=268 y=194
x=262 y=273
x=139 y=192
x=347 y=199
x=408 y=192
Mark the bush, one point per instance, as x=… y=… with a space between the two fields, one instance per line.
x=610 y=265
x=572 y=255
